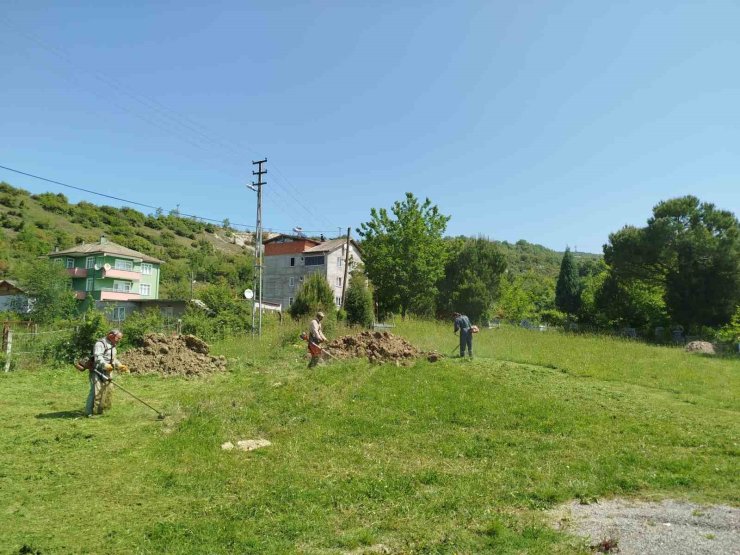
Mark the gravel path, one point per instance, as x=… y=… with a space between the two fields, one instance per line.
x=647 y=528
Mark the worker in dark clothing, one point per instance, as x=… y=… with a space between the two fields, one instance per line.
x=462 y=323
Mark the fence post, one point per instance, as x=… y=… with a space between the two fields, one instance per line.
x=6 y=327
x=8 y=349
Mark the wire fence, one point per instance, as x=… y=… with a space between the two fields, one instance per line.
x=24 y=344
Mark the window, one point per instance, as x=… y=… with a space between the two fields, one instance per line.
x=144 y=289
x=146 y=269
x=119 y=313
x=338 y=300
x=314 y=260
x=339 y=261
x=124 y=264
x=291 y=281
x=292 y=261
x=339 y=281
x=88 y=284
x=70 y=263
x=290 y=301
x=122 y=286
x=59 y=261
x=90 y=262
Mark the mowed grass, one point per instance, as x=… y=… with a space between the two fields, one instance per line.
x=450 y=457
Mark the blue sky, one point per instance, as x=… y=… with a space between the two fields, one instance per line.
x=553 y=122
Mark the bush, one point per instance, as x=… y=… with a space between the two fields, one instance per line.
x=80 y=343
x=359 y=303
x=315 y=294
x=138 y=324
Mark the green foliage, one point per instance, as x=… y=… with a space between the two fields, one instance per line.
x=140 y=323
x=472 y=275
x=689 y=253
x=358 y=303
x=730 y=333
x=568 y=288
x=405 y=255
x=227 y=314
x=514 y=302
x=50 y=287
x=80 y=342
x=315 y=294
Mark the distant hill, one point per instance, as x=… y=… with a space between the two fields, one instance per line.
x=523 y=257
x=34 y=225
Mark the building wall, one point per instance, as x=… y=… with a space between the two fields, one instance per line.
x=12 y=303
x=278 y=271
x=80 y=283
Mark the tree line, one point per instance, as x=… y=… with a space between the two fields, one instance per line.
x=681 y=269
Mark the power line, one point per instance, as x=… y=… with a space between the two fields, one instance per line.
x=136 y=203
x=168 y=116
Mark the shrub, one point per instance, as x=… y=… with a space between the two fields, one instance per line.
x=359 y=303
x=315 y=294
x=138 y=324
x=80 y=343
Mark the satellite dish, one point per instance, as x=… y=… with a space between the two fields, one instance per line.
x=248 y=294
x=106 y=267
x=96 y=267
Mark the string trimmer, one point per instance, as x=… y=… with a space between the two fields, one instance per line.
x=160 y=415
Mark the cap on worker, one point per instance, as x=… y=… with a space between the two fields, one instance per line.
x=320 y=315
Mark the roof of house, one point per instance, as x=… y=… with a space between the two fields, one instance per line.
x=8 y=285
x=329 y=246
x=106 y=247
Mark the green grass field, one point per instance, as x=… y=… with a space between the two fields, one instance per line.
x=453 y=457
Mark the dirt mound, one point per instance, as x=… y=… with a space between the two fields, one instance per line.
x=183 y=355
x=700 y=347
x=377 y=347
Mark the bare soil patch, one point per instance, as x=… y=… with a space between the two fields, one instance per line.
x=182 y=355
x=378 y=347
x=642 y=528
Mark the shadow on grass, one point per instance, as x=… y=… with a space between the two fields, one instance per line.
x=61 y=414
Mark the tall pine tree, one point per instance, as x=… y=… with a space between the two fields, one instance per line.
x=568 y=288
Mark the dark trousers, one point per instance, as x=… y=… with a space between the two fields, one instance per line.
x=466 y=340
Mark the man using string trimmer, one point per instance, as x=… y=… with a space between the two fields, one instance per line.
x=103 y=363
x=315 y=338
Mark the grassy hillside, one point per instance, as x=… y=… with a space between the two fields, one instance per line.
x=452 y=457
x=34 y=225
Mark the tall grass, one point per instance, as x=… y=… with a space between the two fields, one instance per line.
x=452 y=457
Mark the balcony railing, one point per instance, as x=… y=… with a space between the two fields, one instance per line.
x=77 y=272
x=108 y=294
x=122 y=274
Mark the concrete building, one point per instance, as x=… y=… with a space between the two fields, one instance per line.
x=289 y=259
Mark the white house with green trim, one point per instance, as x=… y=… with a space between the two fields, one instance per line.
x=108 y=272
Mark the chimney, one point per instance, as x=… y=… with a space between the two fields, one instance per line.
x=56 y=248
x=103 y=240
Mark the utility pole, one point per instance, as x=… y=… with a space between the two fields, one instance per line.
x=258 y=239
x=346 y=267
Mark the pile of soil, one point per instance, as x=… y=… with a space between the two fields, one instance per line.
x=183 y=355
x=378 y=347
x=700 y=347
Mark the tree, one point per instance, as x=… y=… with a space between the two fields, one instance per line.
x=568 y=287
x=315 y=294
x=472 y=275
x=359 y=302
x=50 y=287
x=689 y=252
x=405 y=256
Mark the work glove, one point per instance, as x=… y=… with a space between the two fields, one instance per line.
x=108 y=368
x=123 y=368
